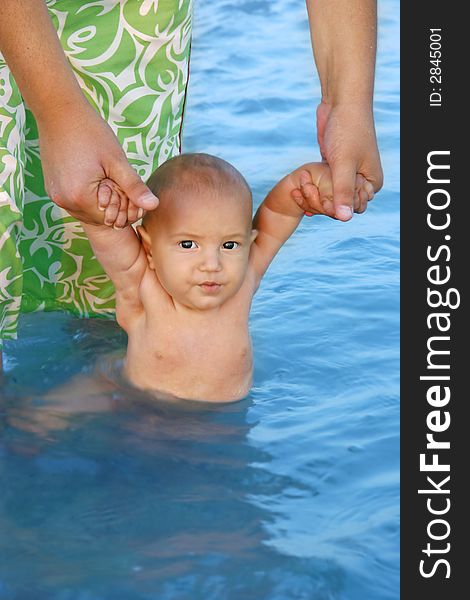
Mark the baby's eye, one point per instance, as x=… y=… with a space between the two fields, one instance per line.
x=230 y=245
x=188 y=244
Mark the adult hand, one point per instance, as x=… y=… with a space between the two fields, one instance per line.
x=315 y=197
x=78 y=150
x=346 y=136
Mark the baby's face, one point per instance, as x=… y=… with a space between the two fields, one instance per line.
x=200 y=248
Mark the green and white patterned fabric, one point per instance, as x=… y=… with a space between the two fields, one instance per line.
x=131 y=58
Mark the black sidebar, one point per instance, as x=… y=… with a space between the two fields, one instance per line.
x=435 y=356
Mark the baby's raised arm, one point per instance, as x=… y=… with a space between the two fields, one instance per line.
x=306 y=191
x=121 y=255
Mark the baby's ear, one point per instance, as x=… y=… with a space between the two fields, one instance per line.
x=254 y=234
x=146 y=244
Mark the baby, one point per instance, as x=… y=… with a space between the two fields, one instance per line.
x=185 y=281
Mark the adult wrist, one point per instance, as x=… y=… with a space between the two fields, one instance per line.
x=59 y=111
x=347 y=94
x=361 y=105
x=343 y=82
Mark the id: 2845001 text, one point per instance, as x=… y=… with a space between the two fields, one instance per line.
x=435 y=69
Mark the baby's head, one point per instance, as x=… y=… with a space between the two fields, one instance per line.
x=198 y=239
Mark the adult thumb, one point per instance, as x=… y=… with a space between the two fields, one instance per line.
x=344 y=180
x=135 y=189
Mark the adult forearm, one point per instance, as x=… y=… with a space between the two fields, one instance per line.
x=344 y=40
x=33 y=52
x=78 y=148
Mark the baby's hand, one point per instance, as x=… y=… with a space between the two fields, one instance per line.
x=314 y=194
x=118 y=211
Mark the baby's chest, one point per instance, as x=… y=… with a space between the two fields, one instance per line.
x=223 y=344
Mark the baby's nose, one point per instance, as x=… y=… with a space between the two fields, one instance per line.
x=211 y=261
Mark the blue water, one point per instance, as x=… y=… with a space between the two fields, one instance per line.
x=289 y=494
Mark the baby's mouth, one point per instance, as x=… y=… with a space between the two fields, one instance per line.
x=210 y=286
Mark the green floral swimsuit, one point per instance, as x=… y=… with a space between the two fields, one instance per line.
x=131 y=58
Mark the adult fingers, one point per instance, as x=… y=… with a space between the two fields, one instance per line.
x=363 y=200
x=362 y=194
x=344 y=178
x=369 y=189
x=133 y=186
